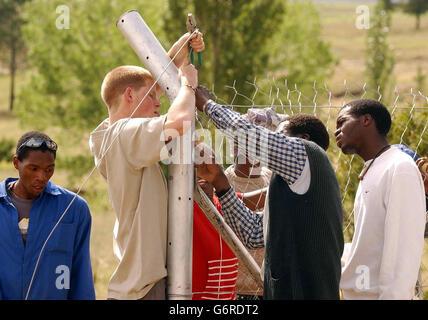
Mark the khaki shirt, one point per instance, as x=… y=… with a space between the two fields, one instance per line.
x=138 y=194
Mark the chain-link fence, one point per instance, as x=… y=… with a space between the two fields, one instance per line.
x=409 y=111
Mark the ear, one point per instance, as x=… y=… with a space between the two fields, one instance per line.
x=306 y=136
x=127 y=95
x=16 y=162
x=367 y=120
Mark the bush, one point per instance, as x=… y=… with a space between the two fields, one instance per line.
x=6 y=149
x=77 y=166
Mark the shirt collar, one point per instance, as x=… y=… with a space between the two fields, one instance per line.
x=50 y=188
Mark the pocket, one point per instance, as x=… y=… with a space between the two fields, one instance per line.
x=62 y=238
x=57 y=266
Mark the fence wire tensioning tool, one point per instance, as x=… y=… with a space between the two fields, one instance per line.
x=96 y=166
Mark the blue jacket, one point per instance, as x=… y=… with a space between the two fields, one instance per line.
x=64 y=270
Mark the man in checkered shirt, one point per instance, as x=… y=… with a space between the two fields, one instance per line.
x=301 y=227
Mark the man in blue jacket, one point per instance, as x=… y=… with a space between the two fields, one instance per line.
x=34 y=263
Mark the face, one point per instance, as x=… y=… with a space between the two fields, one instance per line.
x=348 y=134
x=34 y=173
x=149 y=108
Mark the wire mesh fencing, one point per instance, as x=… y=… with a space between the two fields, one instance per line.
x=409 y=112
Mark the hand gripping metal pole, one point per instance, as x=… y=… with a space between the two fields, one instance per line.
x=180 y=179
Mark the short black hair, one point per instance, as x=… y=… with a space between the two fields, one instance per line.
x=376 y=109
x=302 y=123
x=22 y=153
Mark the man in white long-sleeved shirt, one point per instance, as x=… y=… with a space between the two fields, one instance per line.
x=383 y=260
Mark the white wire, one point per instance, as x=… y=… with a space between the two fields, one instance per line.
x=96 y=166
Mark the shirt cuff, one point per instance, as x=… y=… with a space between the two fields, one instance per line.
x=209 y=105
x=227 y=198
x=222 y=193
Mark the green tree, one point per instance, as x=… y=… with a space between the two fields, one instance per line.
x=388 y=5
x=235 y=32
x=6 y=149
x=68 y=65
x=379 y=66
x=11 y=39
x=417 y=8
x=298 y=53
x=248 y=40
x=420 y=79
x=379 y=54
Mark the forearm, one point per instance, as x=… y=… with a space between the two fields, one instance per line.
x=247 y=225
x=179 y=59
x=181 y=113
x=283 y=155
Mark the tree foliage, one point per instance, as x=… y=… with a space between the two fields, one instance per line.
x=11 y=38
x=249 y=40
x=244 y=40
x=388 y=5
x=298 y=53
x=236 y=33
x=6 y=149
x=417 y=8
x=10 y=23
x=379 y=54
x=69 y=64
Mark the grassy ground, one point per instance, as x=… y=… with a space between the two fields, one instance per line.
x=348 y=46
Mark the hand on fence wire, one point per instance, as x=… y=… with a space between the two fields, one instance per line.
x=202 y=96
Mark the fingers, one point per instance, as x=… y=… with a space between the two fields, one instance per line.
x=202 y=95
x=204 y=91
x=197 y=42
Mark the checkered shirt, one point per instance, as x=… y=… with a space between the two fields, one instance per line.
x=283 y=155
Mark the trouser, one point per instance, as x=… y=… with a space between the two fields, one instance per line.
x=157 y=292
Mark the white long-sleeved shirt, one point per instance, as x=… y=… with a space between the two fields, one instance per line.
x=383 y=260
